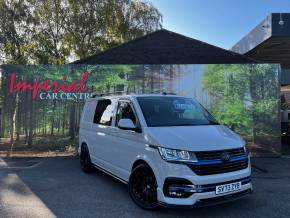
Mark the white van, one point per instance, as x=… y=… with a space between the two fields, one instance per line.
x=167 y=148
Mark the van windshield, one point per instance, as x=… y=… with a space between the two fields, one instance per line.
x=174 y=111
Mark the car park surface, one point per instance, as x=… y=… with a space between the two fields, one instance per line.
x=56 y=187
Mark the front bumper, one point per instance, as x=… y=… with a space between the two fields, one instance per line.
x=205 y=202
x=209 y=182
x=207 y=196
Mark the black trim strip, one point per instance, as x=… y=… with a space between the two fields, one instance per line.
x=110 y=174
x=152 y=146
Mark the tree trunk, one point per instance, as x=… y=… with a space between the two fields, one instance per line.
x=30 y=132
x=27 y=110
x=13 y=117
x=72 y=121
x=53 y=118
x=254 y=97
x=3 y=127
x=64 y=118
x=18 y=119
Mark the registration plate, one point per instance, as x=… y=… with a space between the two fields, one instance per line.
x=226 y=188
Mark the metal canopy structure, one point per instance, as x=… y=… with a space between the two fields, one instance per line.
x=268 y=42
x=165 y=47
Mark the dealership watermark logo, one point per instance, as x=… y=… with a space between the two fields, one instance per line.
x=49 y=89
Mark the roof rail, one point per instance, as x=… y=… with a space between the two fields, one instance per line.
x=118 y=94
x=106 y=94
x=161 y=93
x=168 y=93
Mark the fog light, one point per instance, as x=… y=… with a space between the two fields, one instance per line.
x=177 y=188
x=176 y=194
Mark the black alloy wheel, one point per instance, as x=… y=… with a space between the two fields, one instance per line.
x=143 y=187
x=85 y=160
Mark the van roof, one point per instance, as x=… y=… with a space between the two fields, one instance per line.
x=134 y=96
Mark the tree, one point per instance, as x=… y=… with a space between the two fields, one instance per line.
x=57 y=31
x=245 y=98
x=15 y=31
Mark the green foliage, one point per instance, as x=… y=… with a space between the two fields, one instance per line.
x=244 y=97
x=58 y=31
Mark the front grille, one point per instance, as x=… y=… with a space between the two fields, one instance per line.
x=211 y=162
x=213 y=155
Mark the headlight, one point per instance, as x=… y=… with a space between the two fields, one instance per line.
x=176 y=155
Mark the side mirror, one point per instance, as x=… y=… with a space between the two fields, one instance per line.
x=127 y=124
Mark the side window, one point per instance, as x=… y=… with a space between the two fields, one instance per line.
x=88 y=111
x=104 y=112
x=125 y=111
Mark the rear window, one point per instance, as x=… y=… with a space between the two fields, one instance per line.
x=104 y=112
x=88 y=112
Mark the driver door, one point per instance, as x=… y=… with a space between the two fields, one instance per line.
x=127 y=142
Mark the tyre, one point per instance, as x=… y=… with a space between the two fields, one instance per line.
x=85 y=160
x=143 y=187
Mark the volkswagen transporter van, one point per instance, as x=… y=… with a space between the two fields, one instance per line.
x=168 y=149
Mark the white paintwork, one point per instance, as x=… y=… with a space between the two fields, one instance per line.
x=196 y=138
x=126 y=124
x=116 y=150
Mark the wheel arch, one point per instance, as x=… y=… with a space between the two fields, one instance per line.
x=143 y=159
x=139 y=162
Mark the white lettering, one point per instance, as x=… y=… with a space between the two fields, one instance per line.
x=64 y=96
x=41 y=95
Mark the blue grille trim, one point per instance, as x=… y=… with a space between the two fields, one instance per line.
x=208 y=162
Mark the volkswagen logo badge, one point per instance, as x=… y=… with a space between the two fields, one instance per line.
x=225 y=156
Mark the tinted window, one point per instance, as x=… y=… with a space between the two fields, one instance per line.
x=174 y=111
x=104 y=112
x=125 y=111
x=88 y=112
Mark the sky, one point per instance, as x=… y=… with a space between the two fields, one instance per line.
x=218 y=22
